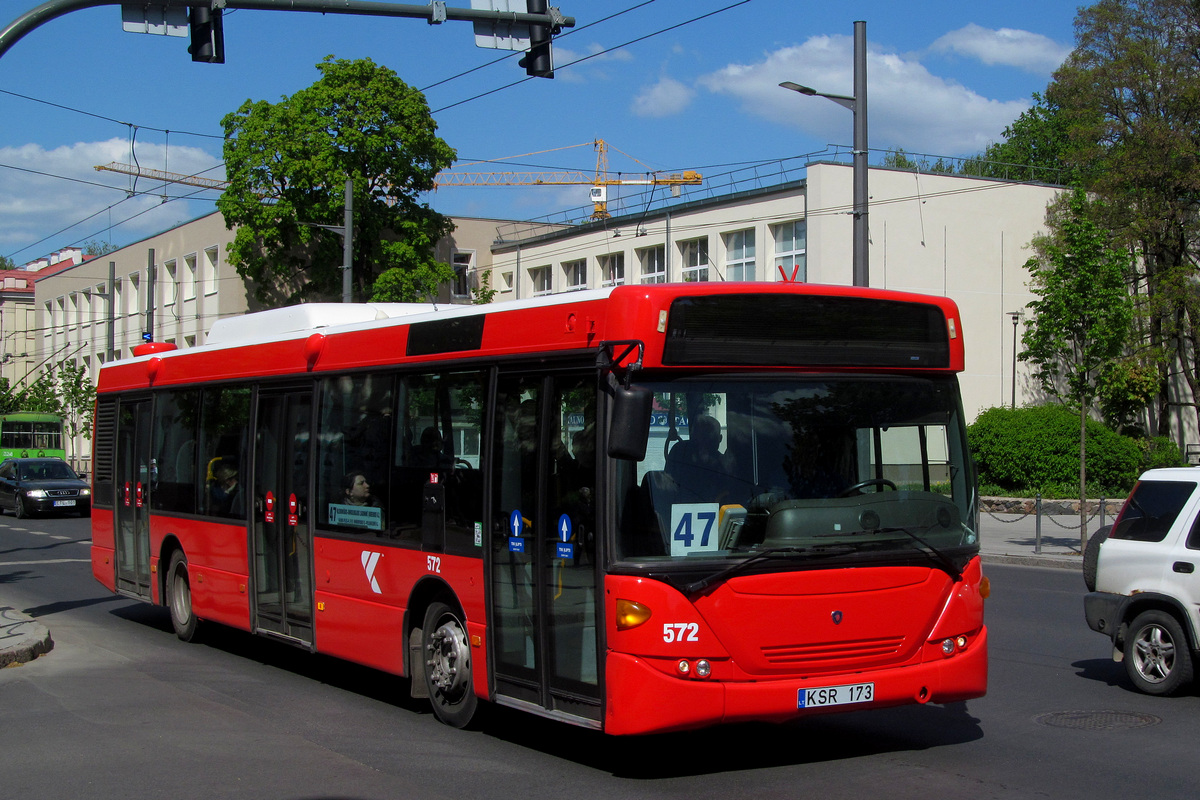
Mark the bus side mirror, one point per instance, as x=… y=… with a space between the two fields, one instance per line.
x=630 y=429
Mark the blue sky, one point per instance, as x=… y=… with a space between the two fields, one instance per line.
x=944 y=78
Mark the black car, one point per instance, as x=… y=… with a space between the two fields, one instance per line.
x=41 y=485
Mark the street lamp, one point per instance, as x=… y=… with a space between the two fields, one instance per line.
x=858 y=106
x=1016 y=317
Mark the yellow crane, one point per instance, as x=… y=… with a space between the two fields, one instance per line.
x=599 y=182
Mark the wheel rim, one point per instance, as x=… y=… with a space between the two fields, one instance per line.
x=181 y=596
x=449 y=662
x=1154 y=654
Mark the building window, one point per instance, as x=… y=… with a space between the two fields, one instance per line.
x=210 y=271
x=541 y=279
x=739 y=255
x=612 y=269
x=507 y=277
x=790 y=243
x=654 y=267
x=575 y=273
x=169 y=287
x=189 y=277
x=132 y=307
x=694 y=255
x=462 y=272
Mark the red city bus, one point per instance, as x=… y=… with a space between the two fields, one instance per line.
x=639 y=509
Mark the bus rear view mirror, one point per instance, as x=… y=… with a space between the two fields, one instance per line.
x=630 y=422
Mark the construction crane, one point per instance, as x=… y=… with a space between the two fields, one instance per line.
x=164 y=176
x=599 y=182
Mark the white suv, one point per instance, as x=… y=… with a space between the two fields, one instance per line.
x=1144 y=589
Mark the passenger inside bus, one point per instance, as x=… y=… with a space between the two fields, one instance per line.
x=356 y=491
x=225 y=493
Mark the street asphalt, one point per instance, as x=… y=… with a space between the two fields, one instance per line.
x=1005 y=539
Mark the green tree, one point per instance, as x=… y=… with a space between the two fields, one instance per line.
x=77 y=398
x=1034 y=148
x=1080 y=321
x=7 y=263
x=95 y=247
x=1130 y=97
x=287 y=164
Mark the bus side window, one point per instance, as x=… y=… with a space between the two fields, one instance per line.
x=354 y=481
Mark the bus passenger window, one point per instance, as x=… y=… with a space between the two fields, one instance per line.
x=353 y=462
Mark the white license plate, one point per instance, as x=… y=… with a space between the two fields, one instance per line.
x=835 y=695
x=63 y=503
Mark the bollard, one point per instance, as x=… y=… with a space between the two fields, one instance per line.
x=1037 y=526
x=1101 y=513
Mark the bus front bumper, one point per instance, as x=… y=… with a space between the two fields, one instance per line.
x=642 y=699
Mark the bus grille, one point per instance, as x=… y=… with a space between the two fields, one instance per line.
x=821 y=652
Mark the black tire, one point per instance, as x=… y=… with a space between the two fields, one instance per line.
x=179 y=598
x=1158 y=658
x=19 y=509
x=1091 y=556
x=446 y=647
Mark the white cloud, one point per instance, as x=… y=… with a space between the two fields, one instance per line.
x=47 y=191
x=663 y=99
x=1006 y=47
x=908 y=107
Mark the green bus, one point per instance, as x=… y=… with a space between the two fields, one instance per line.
x=26 y=434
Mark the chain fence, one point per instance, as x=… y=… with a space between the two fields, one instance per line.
x=1008 y=511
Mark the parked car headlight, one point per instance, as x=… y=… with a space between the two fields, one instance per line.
x=85 y=492
x=38 y=493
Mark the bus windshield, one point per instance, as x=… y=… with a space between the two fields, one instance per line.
x=812 y=467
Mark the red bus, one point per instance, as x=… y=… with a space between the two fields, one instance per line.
x=639 y=509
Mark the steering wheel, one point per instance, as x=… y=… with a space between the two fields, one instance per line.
x=858 y=487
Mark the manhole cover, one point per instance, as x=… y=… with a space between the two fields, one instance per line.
x=1097 y=720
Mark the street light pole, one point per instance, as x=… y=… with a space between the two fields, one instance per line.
x=858 y=107
x=1016 y=317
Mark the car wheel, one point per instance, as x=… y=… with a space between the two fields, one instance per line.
x=1157 y=655
x=448 y=665
x=19 y=508
x=179 y=597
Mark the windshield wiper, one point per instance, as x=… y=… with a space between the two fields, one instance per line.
x=702 y=584
x=944 y=560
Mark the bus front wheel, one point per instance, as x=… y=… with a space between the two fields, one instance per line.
x=179 y=597
x=447 y=651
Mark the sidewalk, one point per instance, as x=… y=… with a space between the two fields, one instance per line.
x=1013 y=539
x=21 y=638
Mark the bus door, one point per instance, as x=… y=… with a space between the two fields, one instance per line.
x=281 y=525
x=133 y=476
x=543 y=570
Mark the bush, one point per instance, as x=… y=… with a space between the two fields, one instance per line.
x=1024 y=450
x=1161 y=451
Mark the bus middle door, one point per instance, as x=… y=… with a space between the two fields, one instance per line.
x=281 y=534
x=134 y=476
x=543 y=572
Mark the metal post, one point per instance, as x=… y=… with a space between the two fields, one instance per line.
x=1016 y=316
x=348 y=244
x=1037 y=527
x=150 y=296
x=861 y=269
x=111 y=346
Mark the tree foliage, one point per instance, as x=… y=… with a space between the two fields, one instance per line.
x=1080 y=321
x=1130 y=96
x=287 y=164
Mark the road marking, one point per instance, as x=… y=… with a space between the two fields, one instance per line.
x=46 y=561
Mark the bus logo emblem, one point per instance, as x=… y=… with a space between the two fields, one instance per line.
x=837 y=617
x=370 y=561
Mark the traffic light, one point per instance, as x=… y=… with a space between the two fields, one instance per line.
x=208 y=36
x=538 y=62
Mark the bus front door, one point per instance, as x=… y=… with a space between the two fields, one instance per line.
x=281 y=526
x=134 y=476
x=543 y=571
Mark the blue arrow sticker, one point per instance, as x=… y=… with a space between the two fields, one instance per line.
x=514 y=522
x=564 y=528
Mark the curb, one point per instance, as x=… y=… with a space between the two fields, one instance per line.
x=1059 y=562
x=21 y=638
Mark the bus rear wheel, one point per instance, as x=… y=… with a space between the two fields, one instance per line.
x=447 y=651
x=179 y=598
